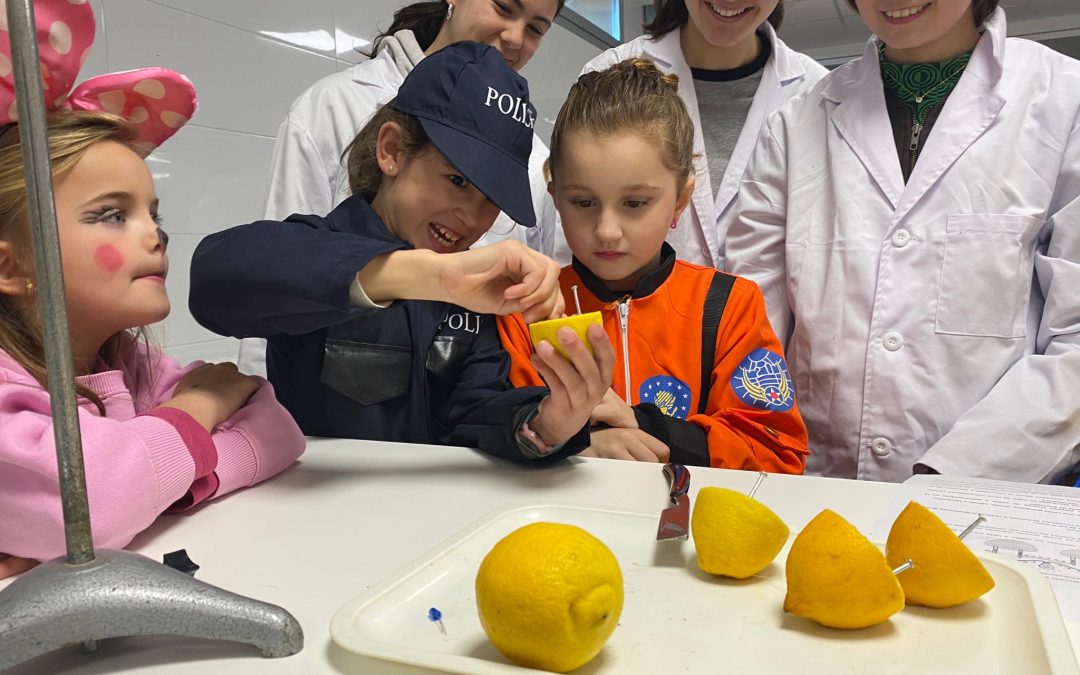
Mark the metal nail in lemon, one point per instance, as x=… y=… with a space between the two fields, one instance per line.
x=549 y=596
x=735 y=535
x=837 y=578
x=946 y=572
x=579 y=323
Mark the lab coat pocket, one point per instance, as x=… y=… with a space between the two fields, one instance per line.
x=986 y=274
x=366 y=373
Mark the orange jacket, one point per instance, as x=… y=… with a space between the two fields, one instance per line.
x=750 y=421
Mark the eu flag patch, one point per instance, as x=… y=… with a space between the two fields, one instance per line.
x=667 y=393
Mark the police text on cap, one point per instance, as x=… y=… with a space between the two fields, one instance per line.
x=513 y=106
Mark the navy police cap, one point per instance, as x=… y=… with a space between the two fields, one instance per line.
x=476 y=111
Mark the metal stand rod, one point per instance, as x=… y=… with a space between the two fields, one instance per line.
x=50 y=280
x=85 y=599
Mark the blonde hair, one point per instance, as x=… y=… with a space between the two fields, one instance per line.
x=632 y=95
x=361 y=161
x=70 y=135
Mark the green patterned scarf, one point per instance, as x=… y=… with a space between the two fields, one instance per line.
x=922 y=85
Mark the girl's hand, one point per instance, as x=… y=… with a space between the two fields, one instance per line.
x=10 y=566
x=212 y=393
x=632 y=444
x=577 y=385
x=614 y=412
x=501 y=279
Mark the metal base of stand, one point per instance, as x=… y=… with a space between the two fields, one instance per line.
x=123 y=594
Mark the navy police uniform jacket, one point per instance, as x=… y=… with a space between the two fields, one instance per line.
x=417 y=371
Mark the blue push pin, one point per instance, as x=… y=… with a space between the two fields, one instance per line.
x=435 y=616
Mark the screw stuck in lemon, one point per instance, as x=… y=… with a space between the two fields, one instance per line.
x=735 y=535
x=549 y=596
x=579 y=323
x=946 y=572
x=837 y=578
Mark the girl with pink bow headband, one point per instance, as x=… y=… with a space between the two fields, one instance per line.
x=155 y=435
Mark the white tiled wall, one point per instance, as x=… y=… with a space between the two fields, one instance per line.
x=249 y=59
x=550 y=73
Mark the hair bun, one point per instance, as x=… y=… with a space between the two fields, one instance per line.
x=648 y=68
x=633 y=95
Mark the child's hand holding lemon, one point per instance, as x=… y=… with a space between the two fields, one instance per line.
x=575 y=384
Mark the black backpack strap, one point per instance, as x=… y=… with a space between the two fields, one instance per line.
x=715 y=302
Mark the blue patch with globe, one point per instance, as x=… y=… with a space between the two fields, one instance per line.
x=762 y=381
x=668 y=394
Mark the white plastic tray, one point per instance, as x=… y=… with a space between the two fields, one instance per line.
x=677 y=619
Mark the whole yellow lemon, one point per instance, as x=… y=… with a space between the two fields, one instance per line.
x=549 y=596
x=946 y=572
x=837 y=577
x=735 y=535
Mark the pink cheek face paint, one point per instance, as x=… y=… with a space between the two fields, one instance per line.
x=108 y=258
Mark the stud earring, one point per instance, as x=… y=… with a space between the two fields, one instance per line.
x=674 y=223
x=29 y=286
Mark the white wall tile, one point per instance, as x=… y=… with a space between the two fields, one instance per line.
x=365 y=19
x=97 y=62
x=245 y=82
x=208 y=179
x=357 y=24
x=552 y=71
x=213 y=351
x=180 y=327
x=633 y=18
x=308 y=24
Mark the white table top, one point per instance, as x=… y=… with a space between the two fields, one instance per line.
x=353 y=512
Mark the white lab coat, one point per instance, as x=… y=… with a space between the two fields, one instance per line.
x=309 y=177
x=786 y=73
x=936 y=322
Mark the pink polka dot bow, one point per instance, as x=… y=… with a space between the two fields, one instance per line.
x=158 y=101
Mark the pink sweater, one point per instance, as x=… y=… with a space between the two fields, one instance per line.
x=137 y=464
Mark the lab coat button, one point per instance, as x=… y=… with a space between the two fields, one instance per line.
x=881 y=447
x=901 y=238
x=892 y=341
